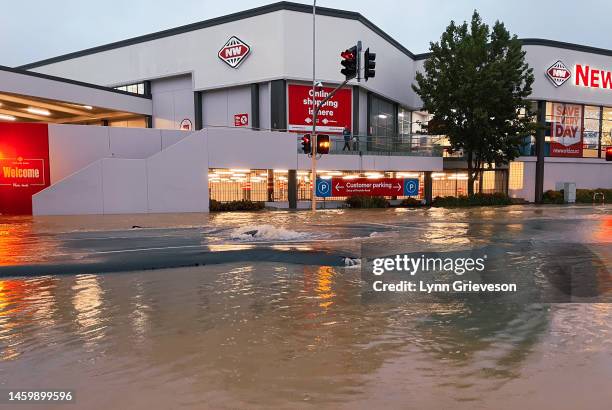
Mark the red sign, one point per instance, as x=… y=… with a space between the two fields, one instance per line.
x=566 y=130
x=593 y=77
x=24 y=165
x=334 y=116
x=558 y=73
x=367 y=187
x=241 y=120
x=234 y=52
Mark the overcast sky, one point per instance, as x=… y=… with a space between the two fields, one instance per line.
x=37 y=29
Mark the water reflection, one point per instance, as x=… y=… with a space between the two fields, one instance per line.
x=258 y=334
x=264 y=335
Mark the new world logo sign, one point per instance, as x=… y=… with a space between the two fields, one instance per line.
x=234 y=52
x=558 y=73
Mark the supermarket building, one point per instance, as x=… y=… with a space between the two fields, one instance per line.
x=214 y=110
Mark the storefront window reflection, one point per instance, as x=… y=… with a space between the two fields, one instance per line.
x=591 y=131
x=606 y=129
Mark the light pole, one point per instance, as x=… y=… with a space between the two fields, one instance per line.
x=313 y=138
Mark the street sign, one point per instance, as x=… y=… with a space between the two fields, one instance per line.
x=367 y=187
x=411 y=187
x=324 y=188
x=332 y=118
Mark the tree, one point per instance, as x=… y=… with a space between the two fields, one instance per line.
x=475 y=84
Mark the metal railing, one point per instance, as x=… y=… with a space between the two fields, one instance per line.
x=397 y=145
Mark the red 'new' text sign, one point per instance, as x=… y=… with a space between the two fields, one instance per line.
x=367 y=187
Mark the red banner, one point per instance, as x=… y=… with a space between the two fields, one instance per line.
x=241 y=120
x=566 y=130
x=367 y=187
x=334 y=116
x=24 y=165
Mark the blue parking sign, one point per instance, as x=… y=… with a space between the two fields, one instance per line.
x=323 y=188
x=411 y=187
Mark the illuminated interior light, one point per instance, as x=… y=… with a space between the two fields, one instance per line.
x=38 y=111
x=334 y=173
x=280 y=171
x=240 y=171
x=325 y=177
x=4 y=117
x=88 y=107
x=350 y=177
x=408 y=174
x=438 y=174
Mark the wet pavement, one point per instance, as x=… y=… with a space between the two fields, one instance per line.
x=271 y=317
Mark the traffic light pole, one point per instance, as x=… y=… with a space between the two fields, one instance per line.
x=315 y=110
x=313 y=138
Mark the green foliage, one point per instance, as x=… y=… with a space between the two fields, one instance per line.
x=410 y=203
x=472 y=200
x=583 y=196
x=367 y=202
x=552 y=197
x=475 y=84
x=243 y=205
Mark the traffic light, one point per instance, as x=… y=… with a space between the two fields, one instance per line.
x=306 y=145
x=349 y=62
x=369 y=65
x=323 y=144
x=609 y=154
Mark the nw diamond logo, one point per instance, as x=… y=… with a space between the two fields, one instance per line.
x=558 y=73
x=234 y=52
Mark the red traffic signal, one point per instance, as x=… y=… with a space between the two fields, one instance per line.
x=306 y=144
x=323 y=144
x=349 y=63
x=609 y=154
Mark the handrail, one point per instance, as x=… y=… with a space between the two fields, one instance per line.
x=405 y=144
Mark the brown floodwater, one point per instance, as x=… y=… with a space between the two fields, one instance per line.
x=269 y=334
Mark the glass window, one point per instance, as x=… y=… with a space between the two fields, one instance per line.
x=137 y=88
x=404 y=119
x=606 y=130
x=564 y=134
x=517 y=170
x=590 y=138
x=382 y=118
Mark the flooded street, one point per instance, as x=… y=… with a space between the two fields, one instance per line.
x=272 y=317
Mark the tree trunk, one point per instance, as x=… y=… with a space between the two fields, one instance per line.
x=470 y=174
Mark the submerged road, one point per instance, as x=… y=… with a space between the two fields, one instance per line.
x=145 y=249
x=78 y=245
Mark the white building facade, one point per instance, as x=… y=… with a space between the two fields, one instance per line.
x=253 y=70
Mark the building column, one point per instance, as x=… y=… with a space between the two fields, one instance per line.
x=292 y=188
x=278 y=105
x=270 y=185
x=428 y=188
x=255 y=107
x=197 y=111
x=540 y=144
x=149 y=121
